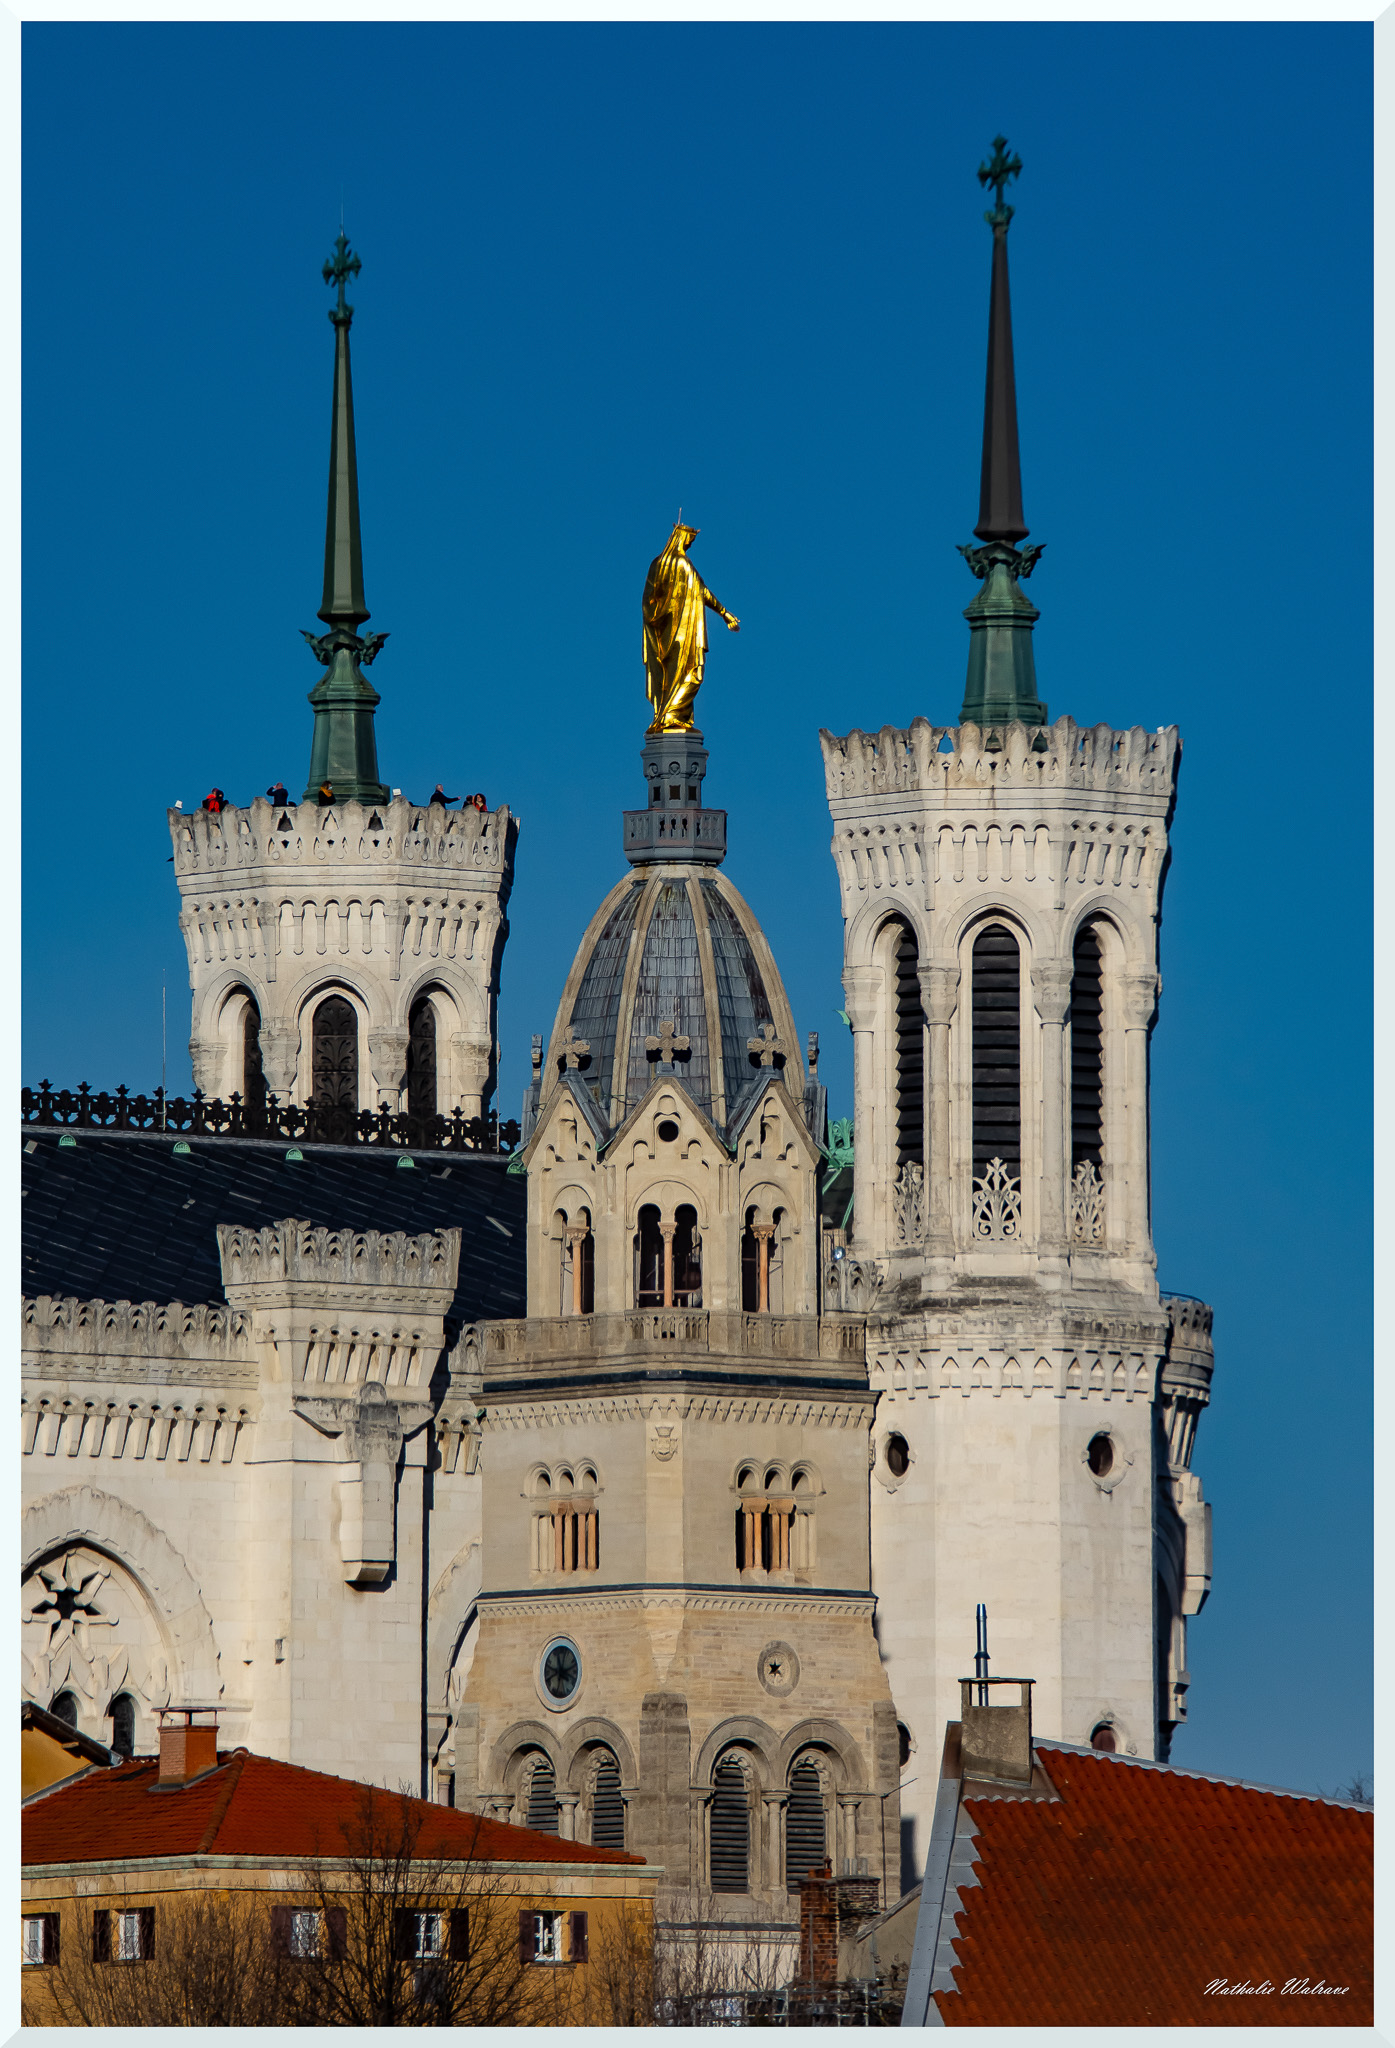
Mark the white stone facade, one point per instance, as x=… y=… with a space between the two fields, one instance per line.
x=1015 y=1314
x=282 y=906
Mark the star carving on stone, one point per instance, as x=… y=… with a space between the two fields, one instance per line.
x=69 y=1606
x=775 y=1667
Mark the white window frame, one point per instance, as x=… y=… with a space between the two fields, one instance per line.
x=548 y=1935
x=303 y=1935
x=430 y=1939
x=125 y=1933
x=32 y=1940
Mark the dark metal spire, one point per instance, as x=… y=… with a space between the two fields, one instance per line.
x=1000 y=488
x=343 y=751
x=1002 y=682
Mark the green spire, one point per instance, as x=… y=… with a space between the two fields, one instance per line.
x=1002 y=679
x=343 y=749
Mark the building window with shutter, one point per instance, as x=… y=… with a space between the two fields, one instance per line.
x=607 y=1804
x=334 y=1067
x=542 y=1809
x=729 y=1855
x=40 y=1940
x=421 y=1067
x=806 y=1833
x=303 y=1934
x=1087 y=1218
x=123 y=1934
x=253 y=1079
x=996 y=1025
x=908 y=1065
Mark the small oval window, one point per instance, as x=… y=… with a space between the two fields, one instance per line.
x=898 y=1456
x=1102 y=1738
x=1100 y=1459
x=668 y=1130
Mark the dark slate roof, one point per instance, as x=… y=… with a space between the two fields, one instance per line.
x=126 y=1218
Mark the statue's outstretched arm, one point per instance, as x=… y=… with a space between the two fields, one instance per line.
x=715 y=604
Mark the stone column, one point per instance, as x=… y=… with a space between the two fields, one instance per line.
x=566 y=1815
x=775 y=1803
x=1051 y=981
x=576 y=1235
x=666 y=1231
x=939 y=995
x=1128 y=1176
x=862 y=987
x=470 y=1063
x=763 y=1232
x=207 y=1056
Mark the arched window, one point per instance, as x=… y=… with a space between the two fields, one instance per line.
x=578 y=1262
x=607 y=1807
x=649 y=1260
x=543 y=1810
x=731 y=1828
x=806 y=1845
x=997 y=1051
x=334 y=1064
x=123 y=1724
x=750 y=1266
x=64 y=1707
x=253 y=1080
x=910 y=1054
x=764 y=1528
x=567 y=1528
x=1087 y=1089
x=421 y=1061
x=687 y=1259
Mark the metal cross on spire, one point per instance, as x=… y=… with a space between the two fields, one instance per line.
x=996 y=172
x=344 y=264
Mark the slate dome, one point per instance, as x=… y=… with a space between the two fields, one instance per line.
x=673 y=944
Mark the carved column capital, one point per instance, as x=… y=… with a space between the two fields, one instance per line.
x=939 y=993
x=387 y=1055
x=1051 y=980
x=206 y=1057
x=861 y=987
x=280 y=1043
x=1140 y=994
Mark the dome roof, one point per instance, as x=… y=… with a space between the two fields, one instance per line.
x=674 y=945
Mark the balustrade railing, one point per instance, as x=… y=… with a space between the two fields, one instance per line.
x=305 y=1123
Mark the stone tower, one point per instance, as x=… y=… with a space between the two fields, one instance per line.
x=674 y=1645
x=1000 y=885
x=345 y=947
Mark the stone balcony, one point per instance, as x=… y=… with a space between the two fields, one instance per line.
x=683 y=1340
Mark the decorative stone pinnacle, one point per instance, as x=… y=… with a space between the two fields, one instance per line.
x=342 y=264
x=666 y=1044
x=996 y=172
x=769 y=1047
x=573 y=1050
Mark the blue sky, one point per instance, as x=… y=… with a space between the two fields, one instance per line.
x=612 y=269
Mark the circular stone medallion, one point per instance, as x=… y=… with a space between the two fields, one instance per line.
x=777 y=1668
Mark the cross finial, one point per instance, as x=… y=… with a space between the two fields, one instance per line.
x=666 y=1044
x=573 y=1049
x=769 y=1047
x=342 y=264
x=996 y=172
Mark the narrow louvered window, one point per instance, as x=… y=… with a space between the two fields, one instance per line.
x=1086 y=1053
x=997 y=1051
x=542 y=1798
x=253 y=1080
x=731 y=1829
x=805 y=1839
x=910 y=1055
x=421 y=1060
x=607 y=1807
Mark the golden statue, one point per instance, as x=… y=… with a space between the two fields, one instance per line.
x=675 y=632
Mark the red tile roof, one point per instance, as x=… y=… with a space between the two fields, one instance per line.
x=1118 y=1904
x=254 y=1806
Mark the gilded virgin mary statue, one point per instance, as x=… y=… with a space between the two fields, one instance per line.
x=676 y=602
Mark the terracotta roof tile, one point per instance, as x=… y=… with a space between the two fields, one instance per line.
x=255 y=1806
x=1118 y=1903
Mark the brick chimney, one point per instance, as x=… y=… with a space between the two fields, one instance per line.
x=188 y=1748
x=827 y=1906
x=996 y=1742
